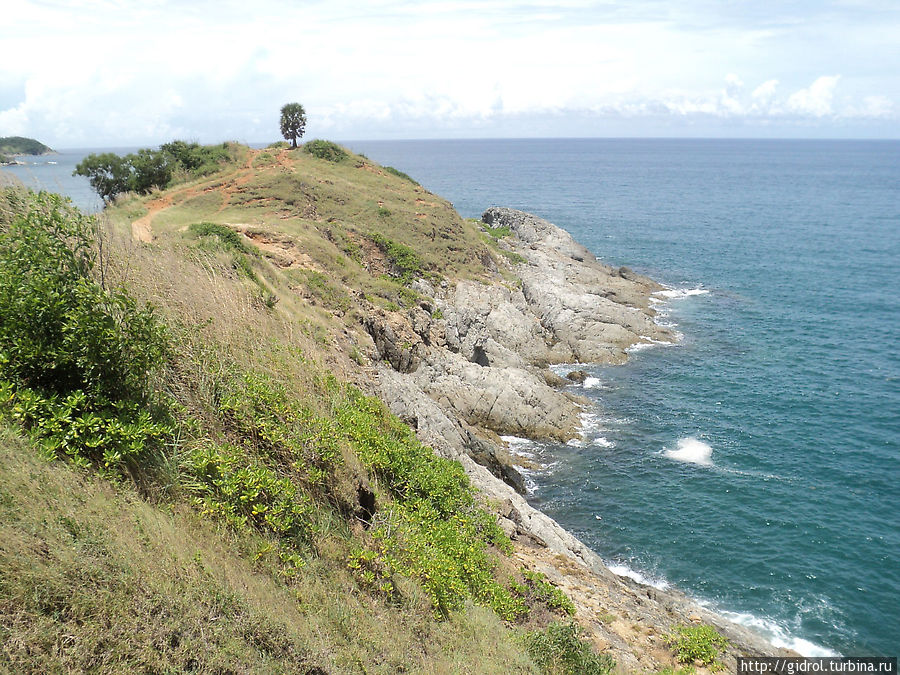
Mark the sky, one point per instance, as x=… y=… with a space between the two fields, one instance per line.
x=105 y=73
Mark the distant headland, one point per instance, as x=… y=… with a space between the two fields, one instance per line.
x=10 y=146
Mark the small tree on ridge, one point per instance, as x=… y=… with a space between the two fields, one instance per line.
x=293 y=122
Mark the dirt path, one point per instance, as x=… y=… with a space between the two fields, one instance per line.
x=141 y=229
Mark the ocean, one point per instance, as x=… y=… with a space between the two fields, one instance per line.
x=754 y=465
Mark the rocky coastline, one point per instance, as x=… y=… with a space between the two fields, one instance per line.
x=471 y=364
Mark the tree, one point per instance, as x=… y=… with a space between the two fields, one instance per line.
x=151 y=169
x=108 y=174
x=293 y=122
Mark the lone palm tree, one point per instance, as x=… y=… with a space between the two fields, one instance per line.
x=293 y=122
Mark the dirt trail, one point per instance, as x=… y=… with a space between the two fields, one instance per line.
x=141 y=229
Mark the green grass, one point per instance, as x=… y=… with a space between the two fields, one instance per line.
x=95 y=579
x=227 y=238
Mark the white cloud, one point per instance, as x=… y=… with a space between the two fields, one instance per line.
x=112 y=72
x=815 y=100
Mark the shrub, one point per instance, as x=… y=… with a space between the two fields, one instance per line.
x=326 y=150
x=697 y=643
x=400 y=174
x=74 y=356
x=547 y=593
x=243 y=492
x=435 y=532
x=405 y=262
x=60 y=330
x=196 y=159
x=561 y=649
x=229 y=239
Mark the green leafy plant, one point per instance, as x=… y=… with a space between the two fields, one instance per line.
x=435 y=532
x=547 y=593
x=243 y=492
x=561 y=649
x=701 y=643
x=497 y=232
x=229 y=239
x=326 y=150
x=405 y=261
x=75 y=357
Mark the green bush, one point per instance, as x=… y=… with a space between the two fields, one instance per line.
x=74 y=356
x=547 y=593
x=561 y=649
x=245 y=492
x=697 y=643
x=435 y=532
x=198 y=160
x=400 y=174
x=60 y=330
x=405 y=261
x=262 y=414
x=229 y=239
x=326 y=150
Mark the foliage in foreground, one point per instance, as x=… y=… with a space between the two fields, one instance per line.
x=74 y=356
x=697 y=643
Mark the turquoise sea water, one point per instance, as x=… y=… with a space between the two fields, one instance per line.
x=756 y=464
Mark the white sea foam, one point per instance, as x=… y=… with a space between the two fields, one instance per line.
x=592 y=383
x=650 y=342
x=691 y=450
x=515 y=442
x=776 y=634
x=625 y=571
x=602 y=442
x=680 y=293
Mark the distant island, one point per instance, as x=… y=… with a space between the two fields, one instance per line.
x=19 y=145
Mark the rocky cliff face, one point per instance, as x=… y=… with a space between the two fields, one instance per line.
x=481 y=371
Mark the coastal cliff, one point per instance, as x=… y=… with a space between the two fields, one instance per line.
x=291 y=290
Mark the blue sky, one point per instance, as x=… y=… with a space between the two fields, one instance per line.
x=107 y=72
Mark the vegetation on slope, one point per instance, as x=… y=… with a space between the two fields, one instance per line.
x=145 y=170
x=264 y=515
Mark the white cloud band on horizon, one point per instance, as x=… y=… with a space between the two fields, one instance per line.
x=143 y=74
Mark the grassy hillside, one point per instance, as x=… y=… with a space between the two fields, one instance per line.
x=197 y=485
